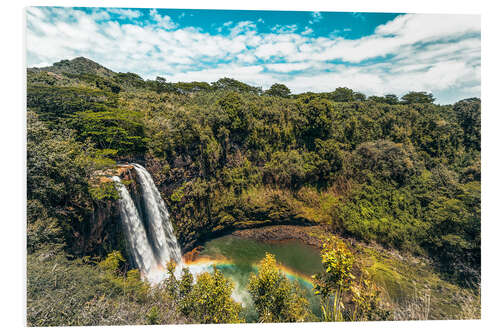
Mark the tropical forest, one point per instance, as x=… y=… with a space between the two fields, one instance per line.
x=152 y=202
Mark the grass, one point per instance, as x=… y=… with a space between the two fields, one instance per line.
x=63 y=292
x=415 y=290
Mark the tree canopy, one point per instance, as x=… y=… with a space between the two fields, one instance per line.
x=279 y=90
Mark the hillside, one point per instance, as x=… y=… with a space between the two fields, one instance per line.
x=397 y=174
x=77 y=66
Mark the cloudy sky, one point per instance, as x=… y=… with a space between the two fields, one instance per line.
x=373 y=53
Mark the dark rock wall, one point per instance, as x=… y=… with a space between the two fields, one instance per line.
x=102 y=231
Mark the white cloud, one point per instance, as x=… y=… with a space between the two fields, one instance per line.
x=437 y=53
x=125 y=13
x=280 y=49
x=250 y=74
x=243 y=27
x=99 y=15
x=289 y=67
x=315 y=17
x=390 y=38
x=359 y=16
x=164 y=21
x=42 y=64
x=281 y=29
x=307 y=31
x=246 y=58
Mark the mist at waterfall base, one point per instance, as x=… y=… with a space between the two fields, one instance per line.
x=152 y=244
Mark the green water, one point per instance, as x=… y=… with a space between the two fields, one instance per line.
x=241 y=255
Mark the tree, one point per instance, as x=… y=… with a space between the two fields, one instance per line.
x=275 y=297
x=342 y=94
x=114 y=129
x=337 y=287
x=414 y=97
x=161 y=85
x=186 y=283
x=235 y=85
x=194 y=86
x=233 y=115
x=391 y=99
x=387 y=99
x=337 y=261
x=376 y=99
x=360 y=97
x=209 y=300
x=331 y=159
x=290 y=169
x=121 y=282
x=55 y=104
x=386 y=159
x=279 y=90
x=331 y=284
x=468 y=113
x=454 y=237
x=58 y=189
x=317 y=114
x=130 y=80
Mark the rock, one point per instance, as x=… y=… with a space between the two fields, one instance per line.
x=191 y=255
x=281 y=233
x=122 y=171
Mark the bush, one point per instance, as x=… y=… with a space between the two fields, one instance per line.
x=209 y=300
x=384 y=159
x=343 y=295
x=383 y=213
x=276 y=299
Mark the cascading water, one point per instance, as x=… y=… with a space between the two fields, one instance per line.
x=140 y=250
x=162 y=233
x=151 y=240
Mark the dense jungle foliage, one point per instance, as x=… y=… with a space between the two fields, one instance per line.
x=403 y=173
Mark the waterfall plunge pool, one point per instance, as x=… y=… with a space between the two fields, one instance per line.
x=238 y=257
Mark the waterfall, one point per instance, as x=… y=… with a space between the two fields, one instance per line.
x=140 y=250
x=151 y=239
x=162 y=233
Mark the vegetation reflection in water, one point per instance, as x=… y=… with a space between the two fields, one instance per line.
x=238 y=257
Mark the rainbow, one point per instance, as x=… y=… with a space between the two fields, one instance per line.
x=294 y=275
x=205 y=264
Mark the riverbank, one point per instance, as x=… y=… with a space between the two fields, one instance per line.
x=276 y=233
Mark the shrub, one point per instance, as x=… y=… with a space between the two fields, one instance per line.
x=276 y=299
x=209 y=300
x=343 y=296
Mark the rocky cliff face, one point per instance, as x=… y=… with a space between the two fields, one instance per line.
x=104 y=231
x=101 y=231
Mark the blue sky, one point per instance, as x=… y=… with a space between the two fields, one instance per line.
x=375 y=53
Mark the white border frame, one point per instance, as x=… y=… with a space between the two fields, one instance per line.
x=13 y=137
